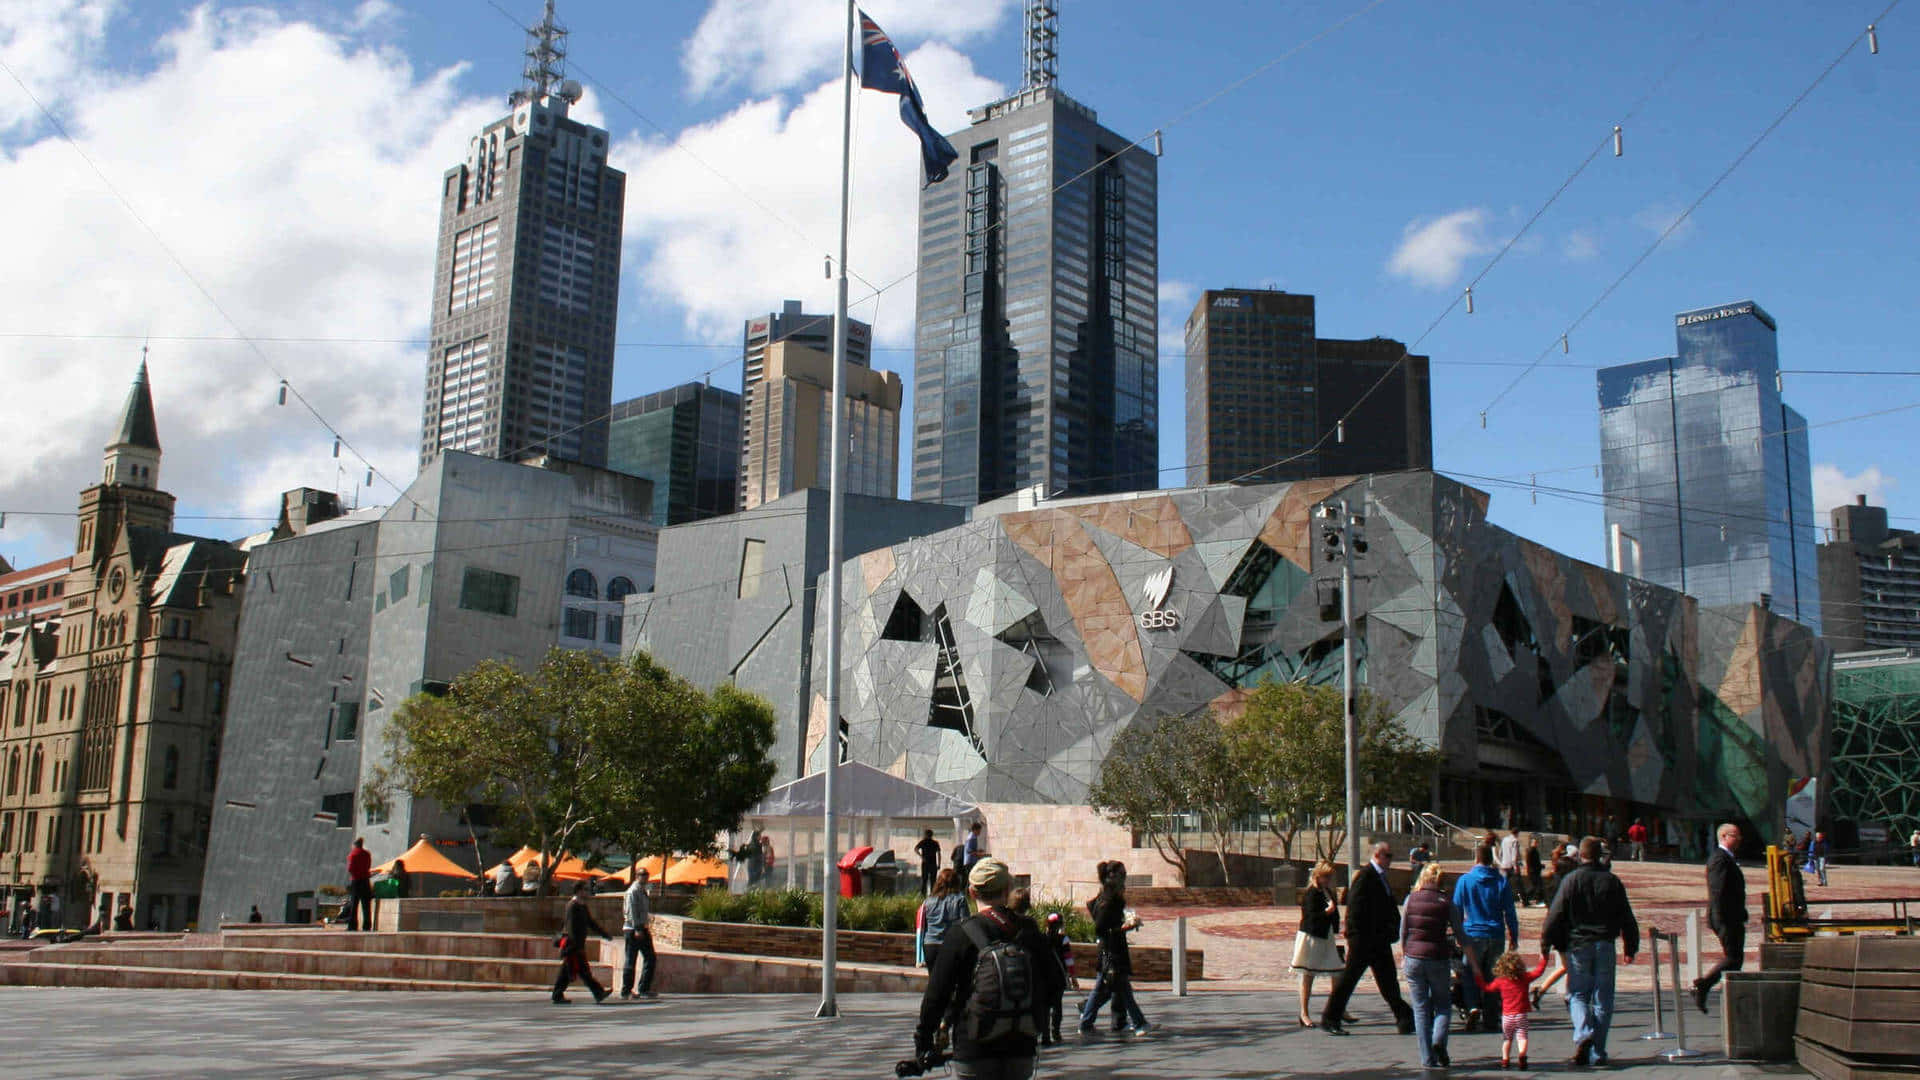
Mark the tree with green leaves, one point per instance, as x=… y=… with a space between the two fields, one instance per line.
x=1290 y=744
x=1154 y=772
x=584 y=750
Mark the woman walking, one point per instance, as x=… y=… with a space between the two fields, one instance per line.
x=1429 y=935
x=1111 y=922
x=942 y=910
x=1314 y=952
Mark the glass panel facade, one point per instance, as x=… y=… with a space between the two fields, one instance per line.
x=687 y=441
x=1707 y=470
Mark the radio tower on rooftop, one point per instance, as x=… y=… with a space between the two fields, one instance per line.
x=546 y=56
x=1043 y=32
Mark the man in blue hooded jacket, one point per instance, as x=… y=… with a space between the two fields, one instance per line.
x=1491 y=927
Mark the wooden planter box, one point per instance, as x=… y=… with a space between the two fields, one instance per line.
x=1860 y=1008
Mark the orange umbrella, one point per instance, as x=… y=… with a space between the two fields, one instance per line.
x=695 y=871
x=425 y=858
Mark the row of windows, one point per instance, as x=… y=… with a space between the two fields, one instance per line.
x=31 y=594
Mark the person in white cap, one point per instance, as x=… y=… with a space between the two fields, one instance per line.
x=991 y=981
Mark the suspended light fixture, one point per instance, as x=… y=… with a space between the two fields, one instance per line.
x=1340 y=431
x=1563 y=344
x=826 y=266
x=1618 y=147
x=1533 y=479
x=1779 y=383
x=1483 y=419
x=1160 y=148
x=283 y=391
x=1469 y=299
x=369 y=476
x=1873 y=40
x=336 y=446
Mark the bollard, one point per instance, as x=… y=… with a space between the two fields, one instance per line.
x=1693 y=953
x=1653 y=943
x=1180 y=956
x=1680 y=1051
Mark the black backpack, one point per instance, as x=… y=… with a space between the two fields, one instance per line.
x=1005 y=999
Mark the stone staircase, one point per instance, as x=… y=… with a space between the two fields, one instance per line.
x=297 y=959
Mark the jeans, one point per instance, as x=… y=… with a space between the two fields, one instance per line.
x=1428 y=984
x=1118 y=989
x=1590 y=994
x=1013 y=1068
x=1820 y=868
x=639 y=943
x=1487 y=949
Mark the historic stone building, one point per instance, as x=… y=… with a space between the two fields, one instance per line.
x=111 y=708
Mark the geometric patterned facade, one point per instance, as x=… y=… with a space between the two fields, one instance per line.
x=1875 y=776
x=999 y=659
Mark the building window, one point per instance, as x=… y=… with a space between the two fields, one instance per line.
x=210 y=765
x=753 y=555
x=13 y=772
x=579 y=623
x=177 y=692
x=614 y=620
x=218 y=691
x=490 y=592
x=397 y=584
x=347 y=721
x=34 y=765
x=620 y=588
x=6 y=831
x=163 y=838
x=581 y=583
x=30 y=837
x=341 y=807
x=170 y=769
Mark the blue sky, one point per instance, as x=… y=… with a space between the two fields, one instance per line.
x=1377 y=168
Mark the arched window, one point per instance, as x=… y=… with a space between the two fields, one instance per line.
x=170 y=768
x=177 y=692
x=581 y=583
x=620 y=588
x=13 y=773
x=33 y=771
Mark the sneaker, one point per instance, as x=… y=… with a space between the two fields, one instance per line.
x=1143 y=1031
x=650 y=995
x=1523 y=1061
x=1086 y=1028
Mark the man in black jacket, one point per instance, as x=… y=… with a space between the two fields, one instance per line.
x=1590 y=911
x=573 y=948
x=1373 y=925
x=1726 y=910
x=950 y=985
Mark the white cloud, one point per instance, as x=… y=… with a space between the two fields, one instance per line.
x=1432 y=250
x=44 y=43
x=1579 y=246
x=770 y=45
x=1660 y=217
x=699 y=242
x=293 y=171
x=1832 y=487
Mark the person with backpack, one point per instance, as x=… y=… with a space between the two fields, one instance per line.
x=1111 y=923
x=990 y=982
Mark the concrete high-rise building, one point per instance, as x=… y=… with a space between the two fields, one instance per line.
x=687 y=441
x=526 y=283
x=114 y=704
x=1869 y=581
x=1034 y=326
x=790 y=444
x=788 y=324
x=1262 y=391
x=1705 y=468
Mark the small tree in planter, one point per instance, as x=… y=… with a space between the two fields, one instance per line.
x=1159 y=770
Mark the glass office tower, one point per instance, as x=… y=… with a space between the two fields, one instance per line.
x=687 y=441
x=1706 y=470
x=1035 y=329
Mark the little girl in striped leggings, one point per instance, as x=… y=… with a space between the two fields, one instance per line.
x=1511 y=978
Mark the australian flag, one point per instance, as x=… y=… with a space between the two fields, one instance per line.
x=881 y=68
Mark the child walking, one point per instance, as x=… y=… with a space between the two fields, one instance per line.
x=1511 y=978
x=1063 y=949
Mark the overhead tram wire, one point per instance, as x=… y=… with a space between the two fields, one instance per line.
x=1739 y=159
x=340 y=441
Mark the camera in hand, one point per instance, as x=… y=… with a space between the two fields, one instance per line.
x=922 y=1065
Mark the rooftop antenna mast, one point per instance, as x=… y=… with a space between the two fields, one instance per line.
x=546 y=56
x=1043 y=33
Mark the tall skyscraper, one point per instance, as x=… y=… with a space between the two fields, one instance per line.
x=526 y=284
x=687 y=441
x=787 y=324
x=789 y=447
x=1705 y=469
x=1034 y=335
x=1262 y=390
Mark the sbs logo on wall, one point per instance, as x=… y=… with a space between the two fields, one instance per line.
x=1154 y=591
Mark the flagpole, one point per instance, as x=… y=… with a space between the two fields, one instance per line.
x=836 y=538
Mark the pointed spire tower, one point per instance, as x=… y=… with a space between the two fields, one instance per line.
x=128 y=490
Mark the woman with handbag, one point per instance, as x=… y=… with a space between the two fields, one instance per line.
x=1314 y=952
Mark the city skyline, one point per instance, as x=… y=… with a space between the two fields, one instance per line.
x=1386 y=254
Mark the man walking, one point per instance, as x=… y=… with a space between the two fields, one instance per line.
x=991 y=983
x=1817 y=850
x=359 y=886
x=1590 y=911
x=1373 y=925
x=929 y=851
x=636 y=924
x=1536 y=876
x=970 y=852
x=1489 y=926
x=1506 y=856
x=1726 y=910
x=1637 y=840
x=573 y=948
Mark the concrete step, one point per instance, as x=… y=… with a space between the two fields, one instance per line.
x=411 y=943
x=168 y=978
x=318 y=962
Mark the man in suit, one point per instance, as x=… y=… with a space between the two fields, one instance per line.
x=1373 y=925
x=1726 y=910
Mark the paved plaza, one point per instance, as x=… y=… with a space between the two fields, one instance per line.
x=53 y=1033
